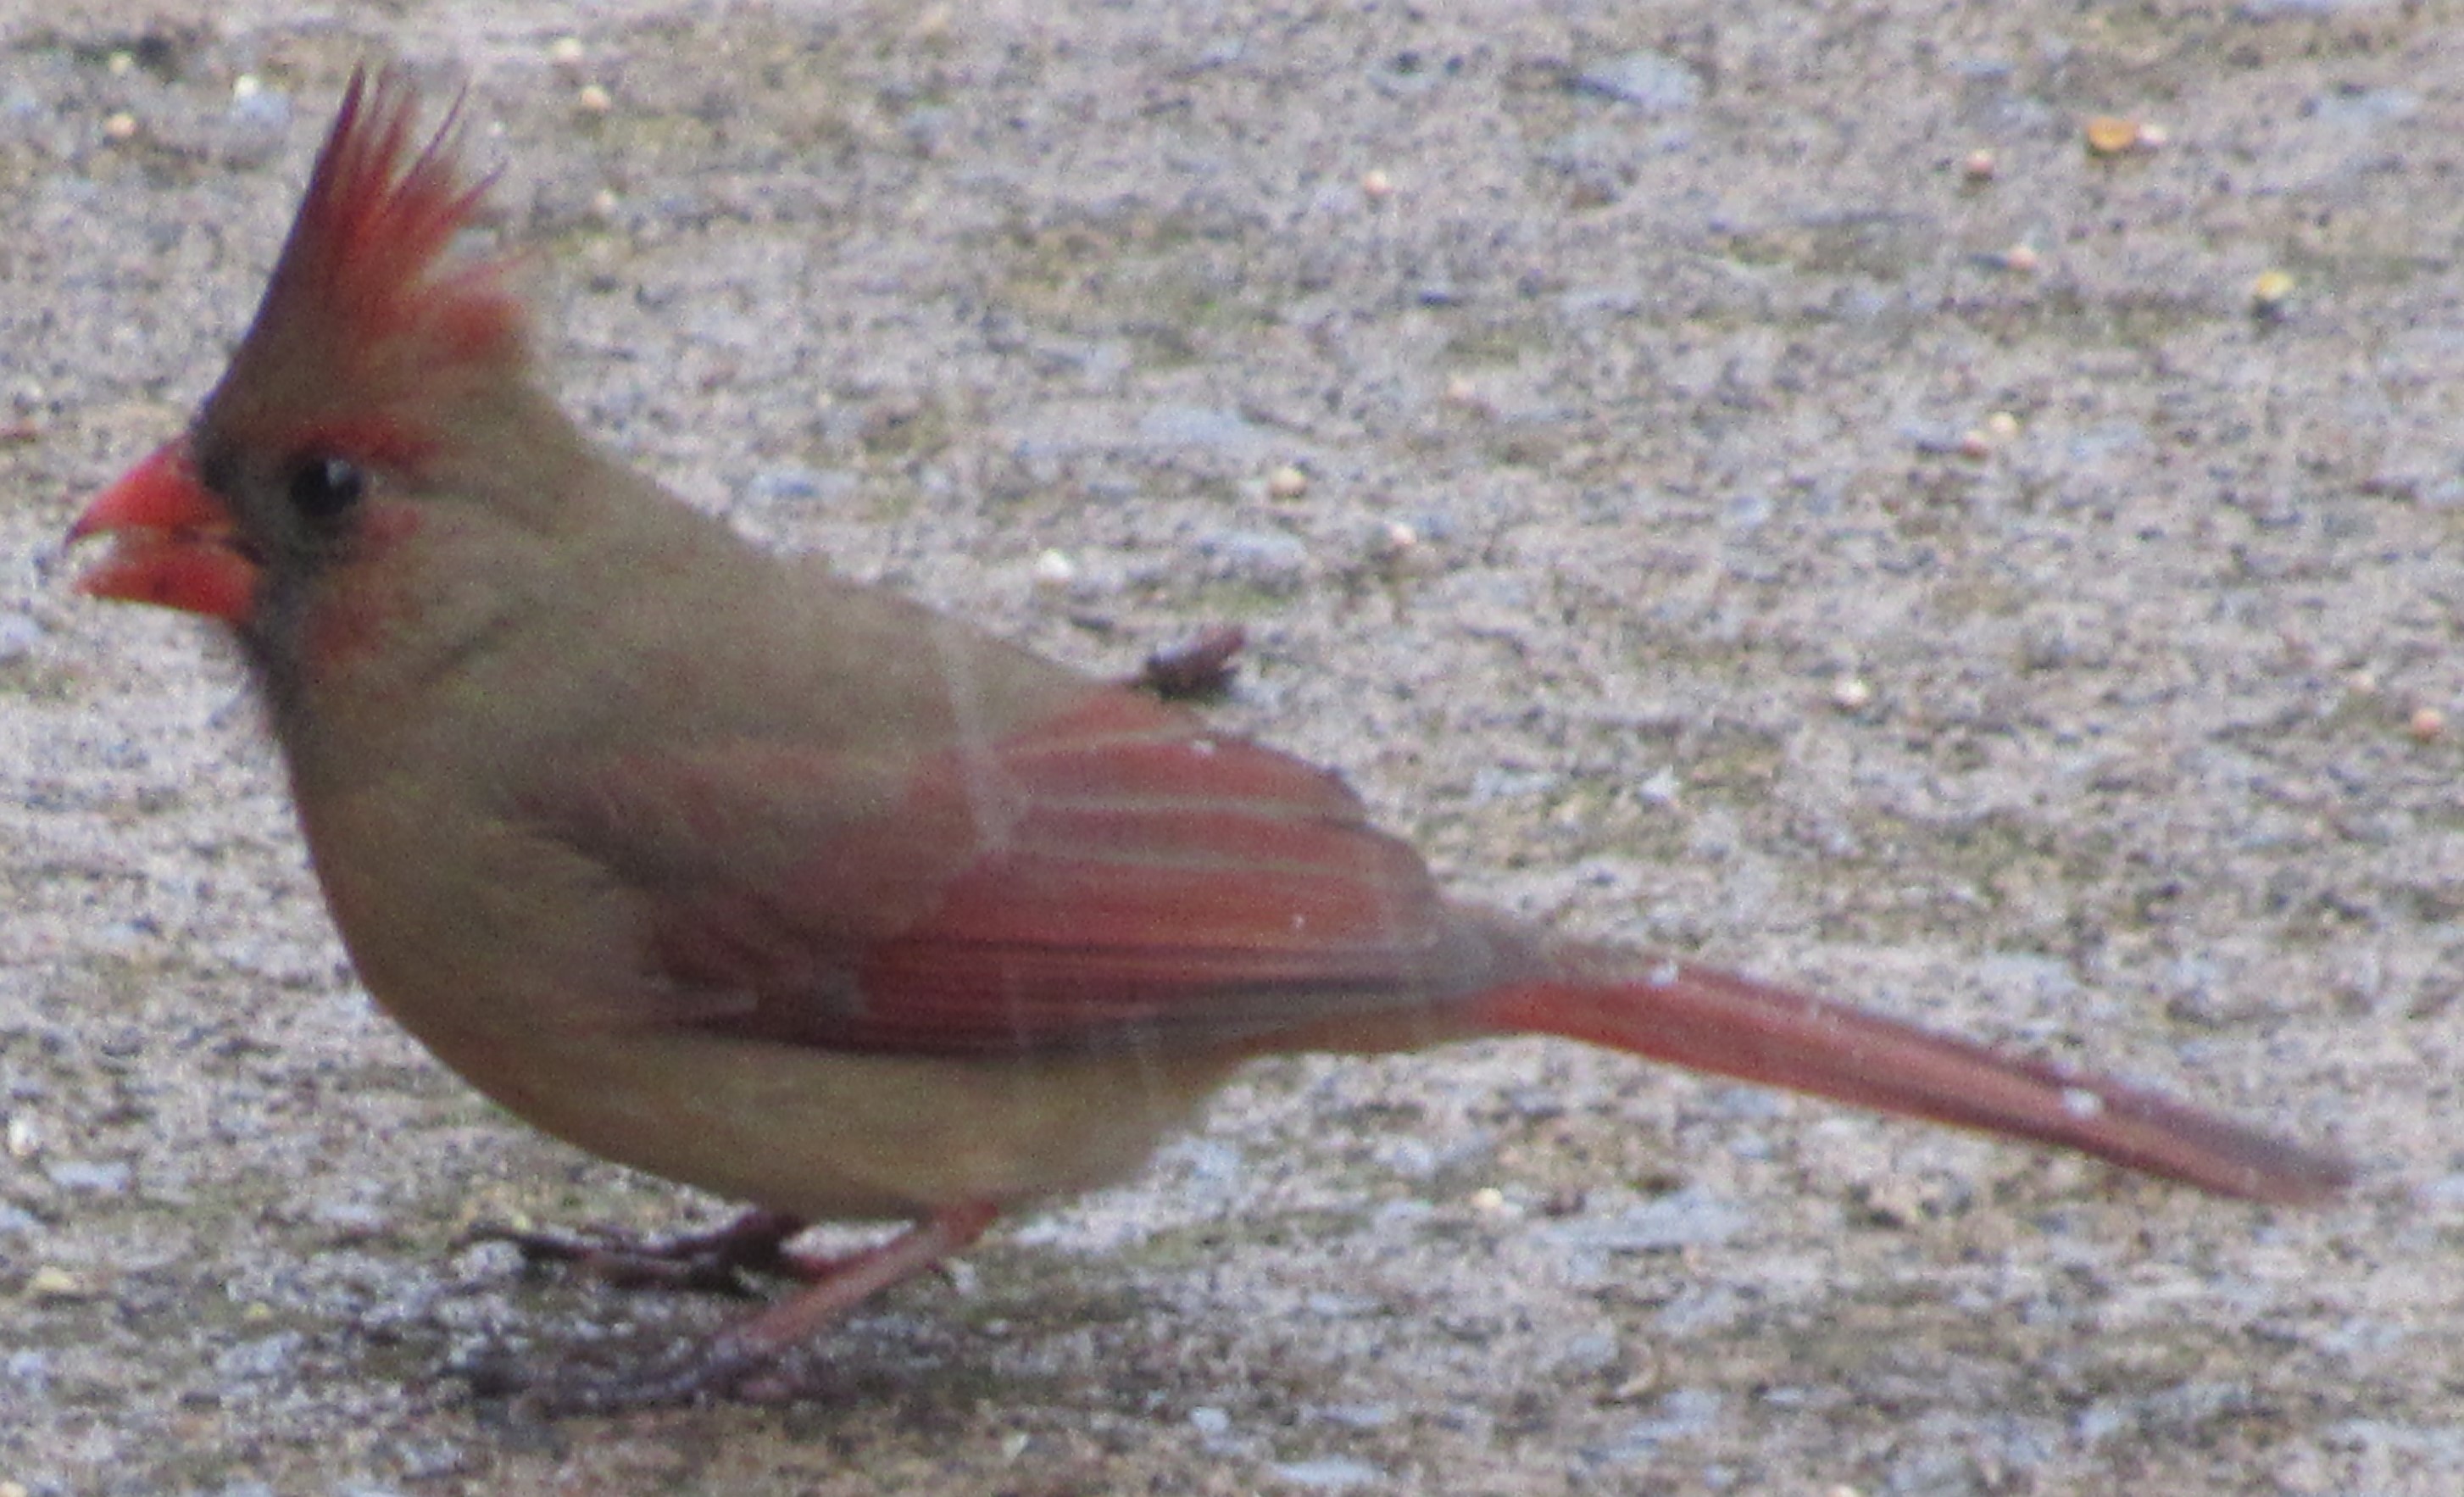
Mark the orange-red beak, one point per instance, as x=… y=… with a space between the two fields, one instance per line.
x=172 y=541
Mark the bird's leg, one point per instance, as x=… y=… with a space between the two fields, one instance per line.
x=743 y=1359
x=714 y=1262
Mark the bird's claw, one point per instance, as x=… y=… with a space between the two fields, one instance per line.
x=710 y=1262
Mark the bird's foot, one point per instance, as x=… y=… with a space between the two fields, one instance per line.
x=1198 y=669
x=750 y=1360
x=716 y=1262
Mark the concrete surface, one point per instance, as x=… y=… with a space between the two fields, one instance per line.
x=1703 y=529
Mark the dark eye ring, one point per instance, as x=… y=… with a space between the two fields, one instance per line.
x=324 y=487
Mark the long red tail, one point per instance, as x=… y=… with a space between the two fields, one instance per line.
x=1717 y=1022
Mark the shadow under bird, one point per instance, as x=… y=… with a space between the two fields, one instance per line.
x=748 y=875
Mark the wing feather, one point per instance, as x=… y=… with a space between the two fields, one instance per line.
x=1115 y=877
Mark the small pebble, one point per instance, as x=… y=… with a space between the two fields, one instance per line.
x=2113 y=135
x=1340 y=1307
x=120 y=64
x=120 y=126
x=1691 y=1217
x=1975 y=444
x=51 y=1282
x=2270 y=293
x=349 y=1220
x=19 y=634
x=564 y=51
x=1375 y=185
x=257 y=124
x=100 y=1177
x=1852 y=693
x=591 y=99
x=1653 y=82
x=1199 y=427
x=263 y=1358
x=1978 y=167
x=788 y=483
x=1287 y=482
x=25 y=1136
x=2425 y=724
x=2021 y=259
x=2001 y=426
x=1328 y=1473
x=1054 y=568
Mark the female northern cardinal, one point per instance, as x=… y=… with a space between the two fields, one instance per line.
x=744 y=874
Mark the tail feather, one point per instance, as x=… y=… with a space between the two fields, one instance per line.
x=1717 y=1022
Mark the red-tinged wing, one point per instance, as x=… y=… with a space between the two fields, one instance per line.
x=1114 y=877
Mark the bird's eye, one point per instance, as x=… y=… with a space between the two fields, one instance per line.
x=322 y=487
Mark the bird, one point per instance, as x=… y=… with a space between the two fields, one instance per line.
x=733 y=869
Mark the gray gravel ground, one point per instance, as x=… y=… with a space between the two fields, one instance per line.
x=1700 y=529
